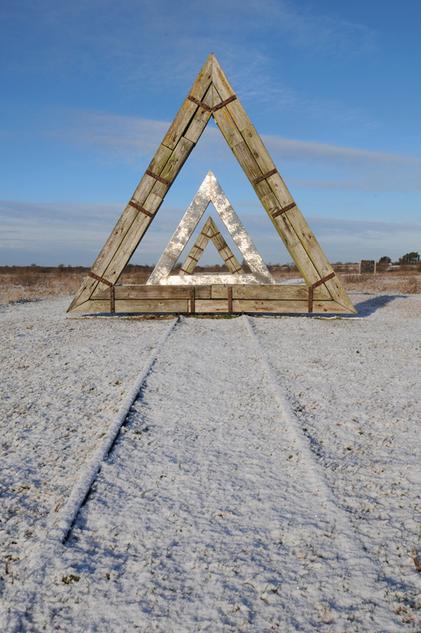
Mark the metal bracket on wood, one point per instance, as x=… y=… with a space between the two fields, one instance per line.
x=316 y=285
x=112 y=299
x=200 y=103
x=138 y=207
x=101 y=279
x=229 y=296
x=211 y=109
x=192 y=301
x=260 y=178
x=280 y=211
x=222 y=104
x=159 y=178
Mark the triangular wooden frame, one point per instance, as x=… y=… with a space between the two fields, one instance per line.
x=212 y=95
x=210 y=192
x=210 y=233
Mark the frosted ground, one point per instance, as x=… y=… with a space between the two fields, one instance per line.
x=266 y=478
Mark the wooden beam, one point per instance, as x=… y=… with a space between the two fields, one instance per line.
x=168 y=160
x=212 y=95
x=210 y=306
x=256 y=162
x=286 y=299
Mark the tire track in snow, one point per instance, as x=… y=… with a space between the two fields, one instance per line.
x=352 y=544
x=59 y=523
x=68 y=513
x=211 y=514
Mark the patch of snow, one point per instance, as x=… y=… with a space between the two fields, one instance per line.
x=256 y=485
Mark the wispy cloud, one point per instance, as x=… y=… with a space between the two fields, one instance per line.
x=73 y=234
x=346 y=168
x=142 y=42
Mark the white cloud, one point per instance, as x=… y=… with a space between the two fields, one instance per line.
x=345 y=168
x=74 y=233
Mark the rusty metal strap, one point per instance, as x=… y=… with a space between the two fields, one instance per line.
x=101 y=279
x=200 y=103
x=222 y=104
x=280 y=211
x=159 y=178
x=211 y=109
x=229 y=296
x=138 y=207
x=318 y=283
x=323 y=280
x=112 y=299
x=260 y=178
x=192 y=300
x=193 y=258
x=310 y=299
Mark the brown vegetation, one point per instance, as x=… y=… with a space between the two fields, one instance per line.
x=26 y=283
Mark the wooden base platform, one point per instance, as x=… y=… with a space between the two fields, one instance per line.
x=213 y=299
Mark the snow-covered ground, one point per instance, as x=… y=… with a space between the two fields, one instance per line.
x=266 y=478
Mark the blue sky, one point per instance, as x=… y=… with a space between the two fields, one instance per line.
x=88 y=89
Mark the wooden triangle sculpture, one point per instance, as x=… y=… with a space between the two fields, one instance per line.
x=212 y=95
x=210 y=191
x=210 y=232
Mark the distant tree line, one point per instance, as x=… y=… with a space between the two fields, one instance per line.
x=409 y=259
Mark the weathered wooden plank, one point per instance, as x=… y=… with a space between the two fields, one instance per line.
x=148 y=185
x=201 y=118
x=225 y=123
x=246 y=157
x=189 y=108
x=217 y=291
x=285 y=307
x=177 y=158
x=212 y=306
x=140 y=223
x=146 y=292
x=269 y=292
x=255 y=160
x=318 y=266
x=269 y=306
x=278 y=292
x=158 y=306
x=202 y=292
x=246 y=160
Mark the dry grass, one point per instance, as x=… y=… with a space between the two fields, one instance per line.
x=396 y=281
x=28 y=283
